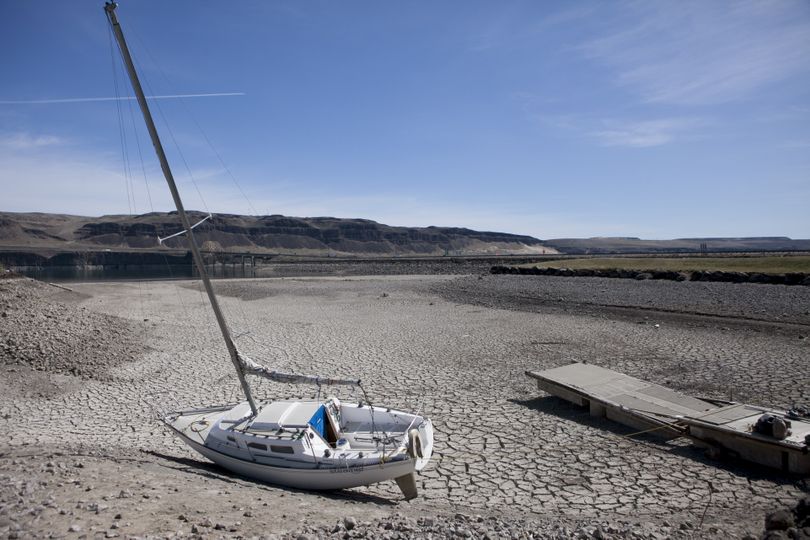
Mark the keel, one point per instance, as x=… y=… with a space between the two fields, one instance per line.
x=407 y=484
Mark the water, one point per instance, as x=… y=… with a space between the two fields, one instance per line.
x=132 y=272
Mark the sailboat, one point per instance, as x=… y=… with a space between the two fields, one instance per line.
x=306 y=444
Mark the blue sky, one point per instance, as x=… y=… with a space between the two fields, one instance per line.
x=554 y=119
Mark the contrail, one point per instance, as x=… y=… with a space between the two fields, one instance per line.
x=92 y=99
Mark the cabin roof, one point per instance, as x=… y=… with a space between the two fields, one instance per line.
x=285 y=414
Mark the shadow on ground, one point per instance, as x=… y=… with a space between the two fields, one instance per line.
x=215 y=472
x=679 y=447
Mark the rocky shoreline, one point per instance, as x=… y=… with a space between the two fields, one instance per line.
x=791 y=278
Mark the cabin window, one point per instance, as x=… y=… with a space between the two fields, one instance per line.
x=257 y=446
x=281 y=449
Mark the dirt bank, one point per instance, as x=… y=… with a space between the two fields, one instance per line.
x=45 y=330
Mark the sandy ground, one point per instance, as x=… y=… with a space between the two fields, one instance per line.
x=83 y=455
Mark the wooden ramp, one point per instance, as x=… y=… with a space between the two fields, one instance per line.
x=621 y=398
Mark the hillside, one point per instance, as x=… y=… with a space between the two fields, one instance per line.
x=256 y=234
x=53 y=233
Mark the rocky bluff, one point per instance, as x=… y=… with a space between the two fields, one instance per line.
x=274 y=233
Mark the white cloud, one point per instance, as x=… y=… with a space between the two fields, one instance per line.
x=645 y=133
x=798 y=143
x=632 y=133
x=26 y=141
x=511 y=26
x=700 y=52
x=82 y=182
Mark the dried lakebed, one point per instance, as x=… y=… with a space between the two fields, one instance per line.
x=84 y=453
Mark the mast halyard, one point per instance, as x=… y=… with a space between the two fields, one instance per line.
x=109 y=8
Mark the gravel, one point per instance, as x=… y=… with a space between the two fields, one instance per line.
x=43 y=329
x=581 y=295
x=461 y=525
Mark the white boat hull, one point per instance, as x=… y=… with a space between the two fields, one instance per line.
x=310 y=445
x=308 y=479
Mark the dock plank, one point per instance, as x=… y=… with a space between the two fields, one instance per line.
x=620 y=390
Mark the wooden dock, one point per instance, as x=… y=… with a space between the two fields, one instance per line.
x=621 y=398
x=724 y=428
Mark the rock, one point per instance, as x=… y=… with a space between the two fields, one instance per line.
x=75 y=528
x=779 y=521
x=803 y=512
x=350 y=523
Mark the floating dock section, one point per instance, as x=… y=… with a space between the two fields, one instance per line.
x=723 y=428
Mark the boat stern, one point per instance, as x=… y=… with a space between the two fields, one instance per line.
x=421 y=445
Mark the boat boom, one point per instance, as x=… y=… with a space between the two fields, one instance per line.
x=252 y=368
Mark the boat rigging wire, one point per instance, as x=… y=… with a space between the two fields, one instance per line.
x=140 y=157
x=226 y=307
x=121 y=130
x=185 y=106
x=128 y=176
x=174 y=140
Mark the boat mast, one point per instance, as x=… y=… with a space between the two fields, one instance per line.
x=109 y=8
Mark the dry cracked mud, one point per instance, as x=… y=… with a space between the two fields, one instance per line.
x=511 y=461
